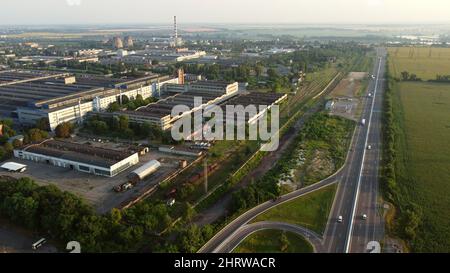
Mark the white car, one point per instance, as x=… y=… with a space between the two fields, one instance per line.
x=340 y=219
x=370 y=95
x=364 y=217
x=369 y=147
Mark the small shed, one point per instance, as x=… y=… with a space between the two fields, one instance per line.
x=14 y=167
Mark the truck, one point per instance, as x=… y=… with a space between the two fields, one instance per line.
x=123 y=187
x=363 y=122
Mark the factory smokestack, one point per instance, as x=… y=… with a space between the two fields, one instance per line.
x=175 y=28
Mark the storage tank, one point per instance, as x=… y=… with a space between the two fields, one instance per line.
x=145 y=170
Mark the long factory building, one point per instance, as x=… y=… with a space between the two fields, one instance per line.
x=83 y=158
x=210 y=92
x=63 y=97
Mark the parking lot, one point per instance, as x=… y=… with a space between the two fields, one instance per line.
x=98 y=190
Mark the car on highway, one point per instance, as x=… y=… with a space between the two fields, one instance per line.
x=364 y=217
x=340 y=220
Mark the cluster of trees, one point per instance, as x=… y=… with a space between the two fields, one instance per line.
x=406 y=76
x=65 y=217
x=64 y=130
x=121 y=127
x=333 y=131
x=442 y=78
x=32 y=135
x=130 y=104
x=409 y=214
x=6 y=132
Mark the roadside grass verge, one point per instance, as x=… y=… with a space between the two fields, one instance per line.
x=274 y=241
x=309 y=211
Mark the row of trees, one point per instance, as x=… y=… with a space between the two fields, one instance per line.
x=409 y=214
x=130 y=104
x=121 y=127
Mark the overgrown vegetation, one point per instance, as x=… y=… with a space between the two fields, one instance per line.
x=333 y=132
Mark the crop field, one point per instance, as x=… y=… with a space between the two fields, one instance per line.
x=425 y=62
x=270 y=241
x=423 y=159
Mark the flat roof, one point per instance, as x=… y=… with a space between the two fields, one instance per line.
x=41 y=89
x=13 y=166
x=82 y=153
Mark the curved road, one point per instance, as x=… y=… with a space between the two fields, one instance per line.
x=313 y=238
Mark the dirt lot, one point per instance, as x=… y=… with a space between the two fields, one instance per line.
x=98 y=190
x=345 y=96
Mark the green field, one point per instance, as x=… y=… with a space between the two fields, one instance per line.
x=270 y=241
x=425 y=62
x=309 y=211
x=423 y=159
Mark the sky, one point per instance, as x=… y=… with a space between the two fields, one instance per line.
x=38 y=12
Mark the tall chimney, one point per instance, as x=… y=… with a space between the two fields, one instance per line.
x=175 y=28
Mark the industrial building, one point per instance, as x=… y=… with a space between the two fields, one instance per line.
x=62 y=97
x=159 y=113
x=83 y=158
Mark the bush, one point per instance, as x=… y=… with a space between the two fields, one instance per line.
x=64 y=130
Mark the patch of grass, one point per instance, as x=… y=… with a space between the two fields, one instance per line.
x=271 y=241
x=309 y=211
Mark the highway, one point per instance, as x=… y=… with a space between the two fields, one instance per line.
x=358 y=186
x=356 y=194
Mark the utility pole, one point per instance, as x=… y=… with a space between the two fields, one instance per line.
x=205 y=166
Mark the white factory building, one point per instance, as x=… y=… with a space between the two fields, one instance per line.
x=83 y=158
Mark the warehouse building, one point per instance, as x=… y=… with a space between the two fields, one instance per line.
x=61 y=97
x=83 y=158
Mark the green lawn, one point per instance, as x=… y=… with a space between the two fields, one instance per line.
x=270 y=241
x=425 y=62
x=309 y=211
x=423 y=159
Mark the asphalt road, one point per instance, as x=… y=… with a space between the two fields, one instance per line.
x=359 y=181
x=356 y=194
x=372 y=229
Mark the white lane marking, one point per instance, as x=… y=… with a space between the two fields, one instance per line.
x=350 y=230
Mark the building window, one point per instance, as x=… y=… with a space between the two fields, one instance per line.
x=84 y=168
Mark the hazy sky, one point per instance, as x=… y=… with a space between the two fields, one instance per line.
x=223 y=11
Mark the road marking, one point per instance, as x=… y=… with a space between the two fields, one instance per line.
x=350 y=230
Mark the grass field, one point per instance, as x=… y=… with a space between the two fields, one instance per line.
x=269 y=241
x=309 y=211
x=425 y=62
x=423 y=159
